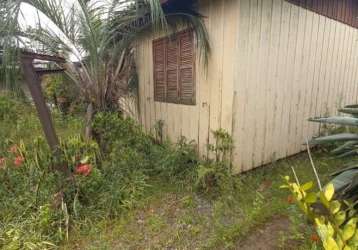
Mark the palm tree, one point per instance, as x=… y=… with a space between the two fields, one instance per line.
x=96 y=38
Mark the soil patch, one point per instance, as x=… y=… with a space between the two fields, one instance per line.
x=269 y=236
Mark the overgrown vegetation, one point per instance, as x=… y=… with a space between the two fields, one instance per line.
x=109 y=175
x=332 y=210
x=126 y=180
x=131 y=190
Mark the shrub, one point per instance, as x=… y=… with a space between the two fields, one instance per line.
x=111 y=128
x=126 y=144
x=177 y=161
x=333 y=210
x=216 y=174
x=334 y=220
x=63 y=93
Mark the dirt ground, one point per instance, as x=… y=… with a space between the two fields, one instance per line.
x=268 y=236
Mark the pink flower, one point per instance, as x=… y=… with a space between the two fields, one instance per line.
x=83 y=169
x=19 y=160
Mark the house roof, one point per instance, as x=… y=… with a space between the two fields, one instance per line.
x=180 y=6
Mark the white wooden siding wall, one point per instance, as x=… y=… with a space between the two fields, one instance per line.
x=272 y=66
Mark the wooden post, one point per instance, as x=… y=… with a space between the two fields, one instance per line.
x=34 y=83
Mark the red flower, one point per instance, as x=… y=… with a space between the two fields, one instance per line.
x=83 y=169
x=314 y=237
x=13 y=149
x=2 y=162
x=290 y=199
x=19 y=160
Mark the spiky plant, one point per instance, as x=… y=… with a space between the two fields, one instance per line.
x=99 y=34
x=345 y=181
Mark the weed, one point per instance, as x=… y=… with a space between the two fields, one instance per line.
x=215 y=175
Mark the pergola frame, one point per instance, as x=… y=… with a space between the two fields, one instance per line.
x=32 y=78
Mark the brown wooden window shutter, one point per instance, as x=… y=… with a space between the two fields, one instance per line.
x=174 y=67
x=159 y=70
x=186 y=68
x=345 y=11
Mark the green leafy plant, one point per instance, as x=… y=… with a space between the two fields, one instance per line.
x=334 y=220
x=345 y=181
x=216 y=173
x=63 y=93
x=177 y=161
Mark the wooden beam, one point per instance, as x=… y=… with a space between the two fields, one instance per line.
x=34 y=83
x=33 y=55
x=41 y=71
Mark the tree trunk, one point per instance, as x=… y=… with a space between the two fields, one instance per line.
x=89 y=118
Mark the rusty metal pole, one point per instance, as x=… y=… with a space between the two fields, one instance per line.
x=34 y=83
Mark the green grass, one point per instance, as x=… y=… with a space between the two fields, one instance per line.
x=174 y=216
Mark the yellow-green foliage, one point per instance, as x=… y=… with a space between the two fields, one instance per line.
x=335 y=221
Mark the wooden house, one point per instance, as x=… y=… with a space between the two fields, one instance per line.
x=273 y=64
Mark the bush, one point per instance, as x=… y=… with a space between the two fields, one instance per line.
x=62 y=92
x=177 y=161
x=332 y=211
x=112 y=129
x=125 y=143
x=215 y=175
x=334 y=220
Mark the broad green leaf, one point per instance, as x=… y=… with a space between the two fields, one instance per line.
x=323 y=199
x=321 y=228
x=307 y=186
x=330 y=229
x=330 y=244
x=348 y=231
x=340 y=217
x=354 y=239
x=329 y=191
x=339 y=242
x=311 y=198
x=334 y=207
x=347 y=248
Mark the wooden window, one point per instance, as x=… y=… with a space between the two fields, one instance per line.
x=174 y=68
x=345 y=11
